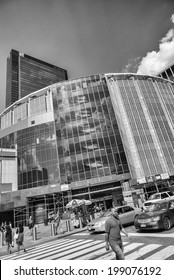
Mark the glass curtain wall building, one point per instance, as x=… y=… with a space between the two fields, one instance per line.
x=86 y=138
x=26 y=74
x=168 y=73
x=145 y=115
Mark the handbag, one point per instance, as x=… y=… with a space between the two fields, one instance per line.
x=16 y=235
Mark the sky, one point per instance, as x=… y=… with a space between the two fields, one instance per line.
x=87 y=37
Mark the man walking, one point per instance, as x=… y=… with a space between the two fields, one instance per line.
x=113 y=228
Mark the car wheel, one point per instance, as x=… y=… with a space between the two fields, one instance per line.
x=167 y=223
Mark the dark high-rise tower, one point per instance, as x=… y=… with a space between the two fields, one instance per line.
x=26 y=74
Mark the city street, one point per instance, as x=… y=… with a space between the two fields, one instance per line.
x=83 y=245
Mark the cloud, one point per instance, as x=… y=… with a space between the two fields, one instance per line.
x=131 y=66
x=154 y=62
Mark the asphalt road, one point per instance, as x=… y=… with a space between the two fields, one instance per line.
x=159 y=241
x=82 y=245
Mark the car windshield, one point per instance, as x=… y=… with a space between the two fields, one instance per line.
x=170 y=193
x=105 y=214
x=153 y=207
x=154 y=196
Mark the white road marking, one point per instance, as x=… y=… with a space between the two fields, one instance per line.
x=40 y=250
x=163 y=254
x=75 y=251
x=142 y=251
x=111 y=255
x=87 y=252
x=148 y=234
x=86 y=249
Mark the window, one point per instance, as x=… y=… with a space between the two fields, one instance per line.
x=120 y=211
x=164 y=195
x=128 y=209
x=170 y=193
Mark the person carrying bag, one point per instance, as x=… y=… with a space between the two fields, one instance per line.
x=30 y=225
x=20 y=238
x=8 y=238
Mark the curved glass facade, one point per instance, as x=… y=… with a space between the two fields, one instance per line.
x=88 y=138
x=168 y=73
x=70 y=135
x=145 y=115
x=92 y=130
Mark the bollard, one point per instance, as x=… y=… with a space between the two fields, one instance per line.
x=1 y=239
x=67 y=225
x=53 y=229
x=91 y=218
x=60 y=226
x=80 y=222
x=34 y=233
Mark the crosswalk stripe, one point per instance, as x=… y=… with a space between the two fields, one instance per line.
x=89 y=249
x=111 y=255
x=45 y=245
x=85 y=251
x=164 y=254
x=83 y=233
x=98 y=255
x=141 y=234
x=76 y=250
x=41 y=250
x=48 y=254
x=50 y=243
x=142 y=251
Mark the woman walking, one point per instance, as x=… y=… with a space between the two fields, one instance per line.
x=30 y=224
x=20 y=238
x=8 y=238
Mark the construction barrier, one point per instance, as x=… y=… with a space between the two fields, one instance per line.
x=34 y=229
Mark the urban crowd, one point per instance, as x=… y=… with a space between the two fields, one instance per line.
x=12 y=237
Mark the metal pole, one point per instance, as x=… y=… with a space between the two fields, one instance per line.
x=54 y=204
x=34 y=233
x=53 y=229
x=80 y=222
x=1 y=239
x=67 y=225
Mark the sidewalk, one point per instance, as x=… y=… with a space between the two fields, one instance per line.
x=43 y=236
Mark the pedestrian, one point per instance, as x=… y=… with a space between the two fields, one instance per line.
x=2 y=228
x=20 y=238
x=30 y=224
x=113 y=228
x=10 y=225
x=8 y=238
x=57 y=221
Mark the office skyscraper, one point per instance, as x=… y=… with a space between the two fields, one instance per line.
x=26 y=74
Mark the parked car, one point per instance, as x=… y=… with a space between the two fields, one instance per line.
x=157 y=197
x=126 y=213
x=159 y=215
